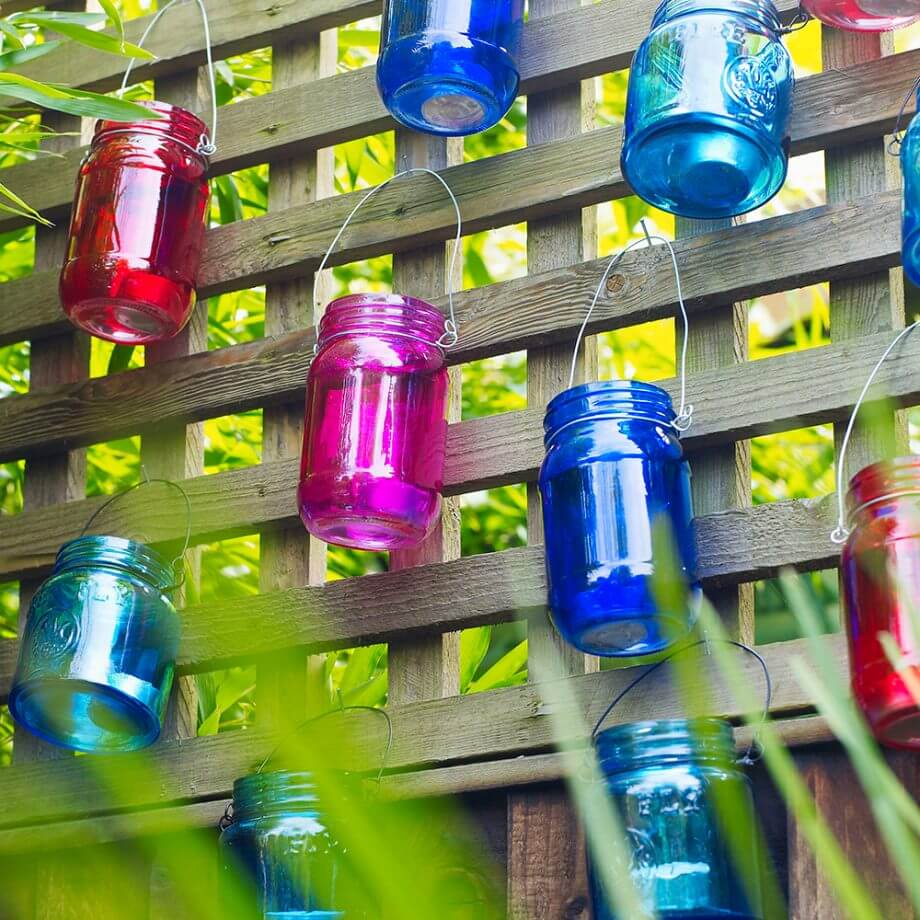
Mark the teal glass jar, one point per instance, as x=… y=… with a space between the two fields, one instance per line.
x=674 y=783
x=279 y=840
x=98 y=655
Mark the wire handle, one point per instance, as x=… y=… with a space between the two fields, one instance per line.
x=841 y=532
x=177 y=563
x=451 y=332
x=748 y=759
x=207 y=146
x=685 y=414
x=798 y=22
x=897 y=135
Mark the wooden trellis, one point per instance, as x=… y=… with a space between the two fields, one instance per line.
x=494 y=748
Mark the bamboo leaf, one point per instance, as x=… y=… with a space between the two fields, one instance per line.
x=12 y=34
x=72 y=101
x=20 y=56
x=20 y=207
x=51 y=18
x=101 y=41
x=114 y=17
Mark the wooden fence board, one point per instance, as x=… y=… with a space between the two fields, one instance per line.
x=503 y=723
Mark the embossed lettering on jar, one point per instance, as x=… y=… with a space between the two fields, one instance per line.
x=447 y=67
x=98 y=655
x=375 y=435
x=707 y=117
x=613 y=482
x=138 y=228
x=674 y=784
x=881 y=580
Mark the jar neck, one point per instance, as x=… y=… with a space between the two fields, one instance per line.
x=763 y=12
x=175 y=124
x=274 y=793
x=666 y=743
x=382 y=315
x=614 y=399
x=137 y=559
x=871 y=486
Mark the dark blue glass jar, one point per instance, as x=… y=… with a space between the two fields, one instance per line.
x=279 y=840
x=614 y=476
x=707 y=115
x=98 y=655
x=910 y=167
x=675 y=784
x=449 y=67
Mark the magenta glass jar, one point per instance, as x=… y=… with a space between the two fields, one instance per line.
x=138 y=228
x=375 y=434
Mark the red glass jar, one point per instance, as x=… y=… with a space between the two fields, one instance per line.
x=881 y=579
x=137 y=229
x=372 y=467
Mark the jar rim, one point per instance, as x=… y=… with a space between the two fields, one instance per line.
x=665 y=741
x=176 y=122
x=882 y=478
x=396 y=314
x=274 y=790
x=762 y=11
x=130 y=555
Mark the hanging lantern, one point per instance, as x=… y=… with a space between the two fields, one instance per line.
x=616 y=496
x=277 y=836
x=375 y=433
x=450 y=68
x=98 y=655
x=707 y=117
x=138 y=223
x=864 y=15
x=910 y=169
x=668 y=780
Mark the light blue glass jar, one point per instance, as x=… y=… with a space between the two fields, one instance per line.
x=910 y=167
x=613 y=480
x=292 y=866
x=449 y=67
x=98 y=654
x=707 y=115
x=674 y=783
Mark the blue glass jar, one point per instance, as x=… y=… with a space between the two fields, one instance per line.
x=98 y=654
x=707 y=115
x=449 y=67
x=675 y=784
x=910 y=167
x=615 y=476
x=278 y=839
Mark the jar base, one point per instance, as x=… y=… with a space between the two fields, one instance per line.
x=125 y=322
x=899 y=728
x=702 y=166
x=856 y=16
x=449 y=107
x=84 y=716
x=630 y=635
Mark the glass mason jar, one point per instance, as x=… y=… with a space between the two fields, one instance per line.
x=910 y=168
x=707 y=114
x=278 y=854
x=614 y=477
x=375 y=435
x=138 y=227
x=675 y=783
x=98 y=655
x=450 y=68
x=864 y=15
x=881 y=580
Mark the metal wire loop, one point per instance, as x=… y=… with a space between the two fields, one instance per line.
x=748 y=758
x=897 y=135
x=684 y=419
x=207 y=146
x=451 y=330
x=841 y=532
x=178 y=562
x=799 y=21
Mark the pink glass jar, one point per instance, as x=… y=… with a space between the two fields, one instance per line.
x=138 y=228
x=372 y=467
x=881 y=580
x=865 y=15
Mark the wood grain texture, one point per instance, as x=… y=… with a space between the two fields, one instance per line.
x=578 y=43
x=485 y=726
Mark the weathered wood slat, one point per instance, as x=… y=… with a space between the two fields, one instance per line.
x=734 y=546
x=594 y=41
x=806 y=247
x=560 y=176
x=485 y=726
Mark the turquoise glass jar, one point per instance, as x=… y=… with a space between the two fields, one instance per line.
x=910 y=167
x=665 y=779
x=98 y=654
x=278 y=839
x=707 y=115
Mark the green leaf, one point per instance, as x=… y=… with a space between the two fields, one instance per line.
x=52 y=17
x=120 y=358
x=508 y=671
x=20 y=207
x=101 y=41
x=114 y=17
x=72 y=101
x=474 y=646
x=236 y=685
x=12 y=34
x=21 y=56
